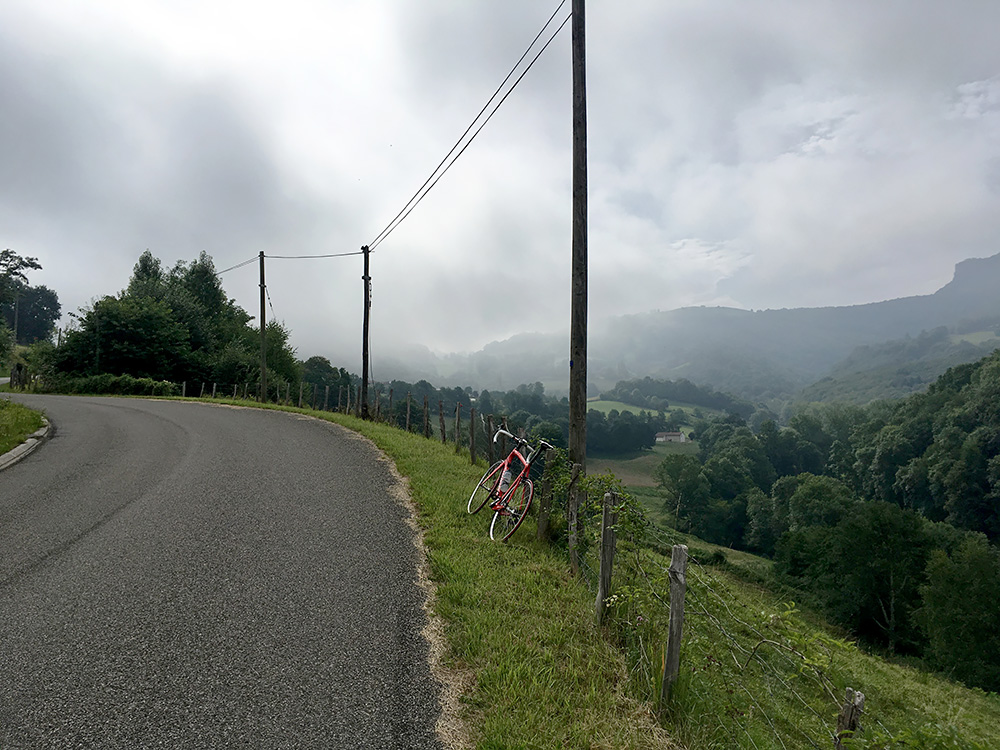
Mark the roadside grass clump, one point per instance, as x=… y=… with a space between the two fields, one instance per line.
x=16 y=423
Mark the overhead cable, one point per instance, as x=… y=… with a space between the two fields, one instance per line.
x=434 y=177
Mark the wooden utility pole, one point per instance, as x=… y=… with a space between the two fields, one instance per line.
x=263 y=335
x=578 y=317
x=364 y=335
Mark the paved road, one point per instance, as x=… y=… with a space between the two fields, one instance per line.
x=186 y=576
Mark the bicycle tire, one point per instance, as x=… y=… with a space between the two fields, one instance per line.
x=486 y=488
x=509 y=517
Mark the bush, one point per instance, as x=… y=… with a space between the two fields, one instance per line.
x=116 y=385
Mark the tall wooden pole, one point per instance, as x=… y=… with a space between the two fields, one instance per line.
x=578 y=317
x=364 y=336
x=263 y=335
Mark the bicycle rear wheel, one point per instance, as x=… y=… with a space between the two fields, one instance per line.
x=510 y=515
x=486 y=489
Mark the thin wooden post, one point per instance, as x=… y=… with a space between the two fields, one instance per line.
x=489 y=438
x=326 y=398
x=609 y=517
x=202 y=394
x=388 y=412
x=444 y=438
x=363 y=398
x=347 y=410
x=315 y=394
x=213 y=390
x=849 y=718
x=458 y=427
x=573 y=519
x=340 y=396
x=472 y=435
x=544 y=508
x=675 y=629
x=301 y=386
x=409 y=400
x=246 y=389
x=184 y=389
x=427 y=420
x=234 y=391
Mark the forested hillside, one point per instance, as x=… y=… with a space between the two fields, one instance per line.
x=887 y=516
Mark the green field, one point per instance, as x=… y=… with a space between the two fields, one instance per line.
x=637 y=470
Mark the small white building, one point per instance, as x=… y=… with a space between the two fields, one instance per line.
x=671 y=437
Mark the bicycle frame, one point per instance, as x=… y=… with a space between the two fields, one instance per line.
x=524 y=470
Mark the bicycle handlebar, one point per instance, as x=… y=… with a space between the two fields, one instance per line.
x=521 y=441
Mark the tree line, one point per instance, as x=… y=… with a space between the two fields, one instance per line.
x=886 y=515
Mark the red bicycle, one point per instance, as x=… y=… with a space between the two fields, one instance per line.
x=507 y=487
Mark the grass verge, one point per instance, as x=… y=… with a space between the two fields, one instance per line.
x=16 y=423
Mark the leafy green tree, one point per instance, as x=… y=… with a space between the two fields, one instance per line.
x=126 y=336
x=961 y=612
x=866 y=570
x=13 y=272
x=34 y=310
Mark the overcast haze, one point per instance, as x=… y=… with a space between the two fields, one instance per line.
x=753 y=154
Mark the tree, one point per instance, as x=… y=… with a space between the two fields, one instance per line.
x=13 y=271
x=866 y=570
x=33 y=312
x=126 y=336
x=961 y=612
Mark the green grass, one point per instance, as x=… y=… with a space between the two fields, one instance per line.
x=637 y=470
x=16 y=423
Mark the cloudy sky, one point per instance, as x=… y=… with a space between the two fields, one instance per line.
x=765 y=153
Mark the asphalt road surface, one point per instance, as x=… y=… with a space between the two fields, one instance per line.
x=182 y=575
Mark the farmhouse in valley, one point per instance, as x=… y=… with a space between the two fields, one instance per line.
x=671 y=437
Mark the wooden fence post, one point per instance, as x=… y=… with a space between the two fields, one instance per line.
x=246 y=388
x=213 y=390
x=388 y=413
x=315 y=392
x=609 y=517
x=234 y=391
x=849 y=718
x=444 y=438
x=573 y=520
x=184 y=389
x=489 y=438
x=202 y=394
x=409 y=401
x=301 y=386
x=672 y=653
x=472 y=435
x=544 y=508
x=326 y=399
x=427 y=420
x=458 y=428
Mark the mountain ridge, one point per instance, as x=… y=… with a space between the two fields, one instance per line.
x=757 y=354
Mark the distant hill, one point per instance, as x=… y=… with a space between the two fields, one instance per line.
x=758 y=355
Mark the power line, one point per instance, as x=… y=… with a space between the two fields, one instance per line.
x=299 y=257
x=238 y=265
x=421 y=192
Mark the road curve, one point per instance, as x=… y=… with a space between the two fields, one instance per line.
x=191 y=576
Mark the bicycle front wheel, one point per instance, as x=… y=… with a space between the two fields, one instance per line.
x=512 y=512
x=486 y=489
